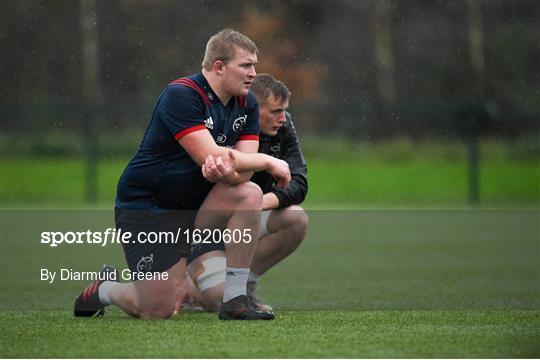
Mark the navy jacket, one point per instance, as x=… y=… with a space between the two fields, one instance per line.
x=284 y=146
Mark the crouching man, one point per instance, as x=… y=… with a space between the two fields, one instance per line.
x=197 y=156
x=283 y=222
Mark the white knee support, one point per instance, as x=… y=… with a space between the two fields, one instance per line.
x=213 y=274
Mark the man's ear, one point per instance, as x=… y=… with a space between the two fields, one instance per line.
x=219 y=67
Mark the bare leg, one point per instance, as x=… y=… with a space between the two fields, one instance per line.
x=287 y=228
x=233 y=207
x=152 y=299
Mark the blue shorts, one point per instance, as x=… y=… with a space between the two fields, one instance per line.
x=143 y=253
x=202 y=248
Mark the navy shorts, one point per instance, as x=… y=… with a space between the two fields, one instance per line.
x=202 y=248
x=199 y=249
x=146 y=252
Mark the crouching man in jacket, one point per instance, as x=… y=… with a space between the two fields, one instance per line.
x=283 y=221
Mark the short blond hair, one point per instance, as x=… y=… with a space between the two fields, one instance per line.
x=222 y=45
x=265 y=86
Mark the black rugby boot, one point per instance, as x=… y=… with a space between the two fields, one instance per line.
x=241 y=308
x=87 y=304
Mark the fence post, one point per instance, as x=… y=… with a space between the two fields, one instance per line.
x=473 y=151
x=90 y=117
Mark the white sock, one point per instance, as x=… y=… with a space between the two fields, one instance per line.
x=235 y=282
x=104 y=292
x=253 y=277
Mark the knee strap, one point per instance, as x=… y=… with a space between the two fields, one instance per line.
x=213 y=274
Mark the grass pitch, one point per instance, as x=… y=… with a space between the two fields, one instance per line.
x=294 y=334
x=363 y=284
x=363 y=182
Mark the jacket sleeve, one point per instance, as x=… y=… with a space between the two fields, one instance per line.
x=296 y=192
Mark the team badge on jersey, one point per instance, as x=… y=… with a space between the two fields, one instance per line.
x=275 y=150
x=239 y=123
x=145 y=264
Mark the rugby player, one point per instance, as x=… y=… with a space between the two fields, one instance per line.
x=199 y=153
x=283 y=221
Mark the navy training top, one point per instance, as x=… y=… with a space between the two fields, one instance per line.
x=162 y=175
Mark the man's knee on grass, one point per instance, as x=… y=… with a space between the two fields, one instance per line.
x=156 y=299
x=161 y=305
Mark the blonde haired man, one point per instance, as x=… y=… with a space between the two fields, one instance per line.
x=192 y=170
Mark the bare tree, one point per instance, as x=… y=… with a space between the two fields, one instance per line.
x=476 y=45
x=384 y=55
x=91 y=92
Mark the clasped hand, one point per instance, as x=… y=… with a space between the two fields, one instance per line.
x=215 y=169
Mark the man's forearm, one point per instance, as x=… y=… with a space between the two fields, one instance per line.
x=251 y=162
x=241 y=162
x=245 y=164
x=237 y=178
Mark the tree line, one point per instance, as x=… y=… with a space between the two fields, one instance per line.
x=366 y=69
